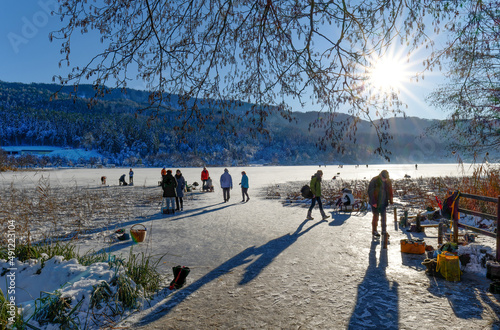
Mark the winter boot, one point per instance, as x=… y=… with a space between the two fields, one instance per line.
x=324 y=216
x=309 y=217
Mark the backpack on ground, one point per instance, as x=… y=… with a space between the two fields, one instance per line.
x=306 y=192
x=180 y=274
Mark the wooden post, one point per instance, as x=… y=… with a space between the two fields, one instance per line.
x=440 y=233
x=405 y=223
x=395 y=214
x=498 y=228
x=455 y=220
x=417 y=221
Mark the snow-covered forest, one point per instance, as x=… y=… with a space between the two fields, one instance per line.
x=115 y=129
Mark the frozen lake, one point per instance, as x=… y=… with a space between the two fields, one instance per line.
x=259 y=175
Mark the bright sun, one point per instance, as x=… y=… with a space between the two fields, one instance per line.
x=388 y=74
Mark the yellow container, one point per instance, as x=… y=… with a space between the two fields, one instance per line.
x=449 y=266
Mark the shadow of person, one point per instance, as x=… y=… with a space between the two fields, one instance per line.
x=465 y=300
x=257 y=258
x=339 y=219
x=377 y=298
x=267 y=252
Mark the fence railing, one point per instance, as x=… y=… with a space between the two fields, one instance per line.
x=496 y=217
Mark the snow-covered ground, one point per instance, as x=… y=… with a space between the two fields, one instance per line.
x=261 y=264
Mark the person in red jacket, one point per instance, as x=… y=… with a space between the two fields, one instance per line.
x=380 y=195
x=204 y=178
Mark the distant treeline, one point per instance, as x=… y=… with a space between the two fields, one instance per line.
x=114 y=128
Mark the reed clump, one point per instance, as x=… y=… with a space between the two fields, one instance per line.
x=47 y=212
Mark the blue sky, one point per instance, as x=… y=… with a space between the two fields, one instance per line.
x=28 y=56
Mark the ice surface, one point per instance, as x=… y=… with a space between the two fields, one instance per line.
x=261 y=264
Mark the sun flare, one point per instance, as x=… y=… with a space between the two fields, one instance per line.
x=388 y=74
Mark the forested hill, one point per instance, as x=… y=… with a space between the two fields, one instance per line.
x=114 y=128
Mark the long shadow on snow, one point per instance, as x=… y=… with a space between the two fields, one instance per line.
x=339 y=219
x=257 y=259
x=377 y=299
x=467 y=297
x=204 y=211
x=142 y=220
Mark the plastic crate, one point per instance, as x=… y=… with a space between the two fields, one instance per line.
x=413 y=247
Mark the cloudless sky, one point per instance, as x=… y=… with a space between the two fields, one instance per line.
x=27 y=55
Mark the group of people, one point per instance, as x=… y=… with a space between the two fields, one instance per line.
x=380 y=194
x=174 y=187
x=226 y=184
x=121 y=180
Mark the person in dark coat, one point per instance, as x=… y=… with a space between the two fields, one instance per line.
x=121 y=180
x=181 y=186
x=380 y=195
x=169 y=186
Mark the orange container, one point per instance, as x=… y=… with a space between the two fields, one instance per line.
x=414 y=247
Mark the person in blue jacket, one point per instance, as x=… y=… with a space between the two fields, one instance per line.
x=226 y=183
x=244 y=186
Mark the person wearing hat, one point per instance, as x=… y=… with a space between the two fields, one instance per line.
x=380 y=195
x=244 y=186
x=315 y=186
x=226 y=183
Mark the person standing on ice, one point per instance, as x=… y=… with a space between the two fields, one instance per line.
x=169 y=185
x=380 y=195
x=181 y=186
x=315 y=186
x=244 y=186
x=226 y=183
x=131 y=177
x=204 y=178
